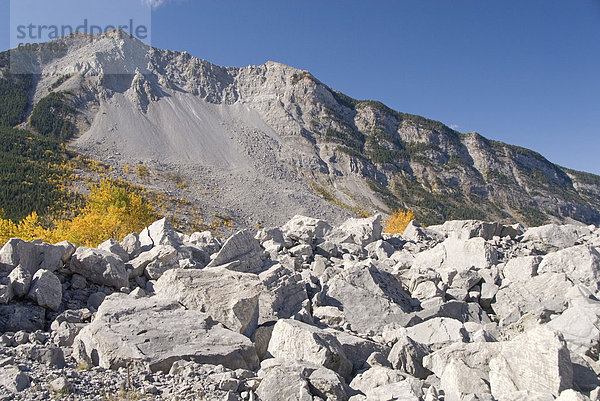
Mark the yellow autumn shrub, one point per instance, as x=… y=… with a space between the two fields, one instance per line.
x=112 y=210
x=398 y=221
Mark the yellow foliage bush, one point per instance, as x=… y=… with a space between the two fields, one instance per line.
x=142 y=171
x=398 y=221
x=112 y=210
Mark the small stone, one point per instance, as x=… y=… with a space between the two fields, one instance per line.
x=488 y=292
x=78 y=282
x=95 y=300
x=137 y=293
x=38 y=337
x=61 y=386
x=7 y=362
x=378 y=359
x=20 y=280
x=460 y=294
x=21 y=337
x=6 y=294
x=13 y=379
x=228 y=385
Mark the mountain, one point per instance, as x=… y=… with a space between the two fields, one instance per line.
x=266 y=142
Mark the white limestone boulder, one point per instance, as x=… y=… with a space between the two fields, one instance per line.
x=358 y=231
x=292 y=339
x=305 y=229
x=537 y=361
x=46 y=289
x=32 y=256
x=152 y=333
x=100 y=267
x=552 y=237
x=231 y=298
x=20 y=281
x=580 y=263
x=241 y=252
x=457 y=255
x=369 y=298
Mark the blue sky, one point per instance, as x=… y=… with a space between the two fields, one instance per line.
x=526 y=72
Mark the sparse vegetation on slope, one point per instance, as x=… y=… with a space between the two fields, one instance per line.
x=112 y=210
x=329 y=197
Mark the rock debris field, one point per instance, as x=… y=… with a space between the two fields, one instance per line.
x=467 y=310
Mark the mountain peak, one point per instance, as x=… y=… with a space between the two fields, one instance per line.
x=279 y=136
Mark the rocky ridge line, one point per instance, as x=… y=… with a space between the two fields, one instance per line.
x=275 y=132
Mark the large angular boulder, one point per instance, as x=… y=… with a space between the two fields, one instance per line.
x=374 y=377
x=457 y=255
x=157 y=260
x=467 y=229
x=205 y=241
x=538 y=360
x=160 y=232
x=100 y=267
x=368 y=297
x=571 y=395
x=522 y=268
x=153 y=333
x=284 y=295
x=67 y=325
x=12 y=379
x=552 y=237
x=543 y=292
x=580 y=263
x=46 y=289
x=6 y=292
x=406 y=390
x=436 y=332
x=380 y=250
x=358 y=349
x=115 y=248
x=407 y=356
x=459 y=380
x=231 y=298
x=380 y=384
x=358 y=231
x=47 y=354
x=475 y=355
x=132 y=245
x=462 y=311
x=580 y=327
x=422 y=235
x=16 y=317
x=305 y=229
x=32 y=256
x=296 y=340
x=328 y=385
x=241 y=252
x=285 y=379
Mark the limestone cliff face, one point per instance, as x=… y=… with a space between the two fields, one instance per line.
x=280 y=122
